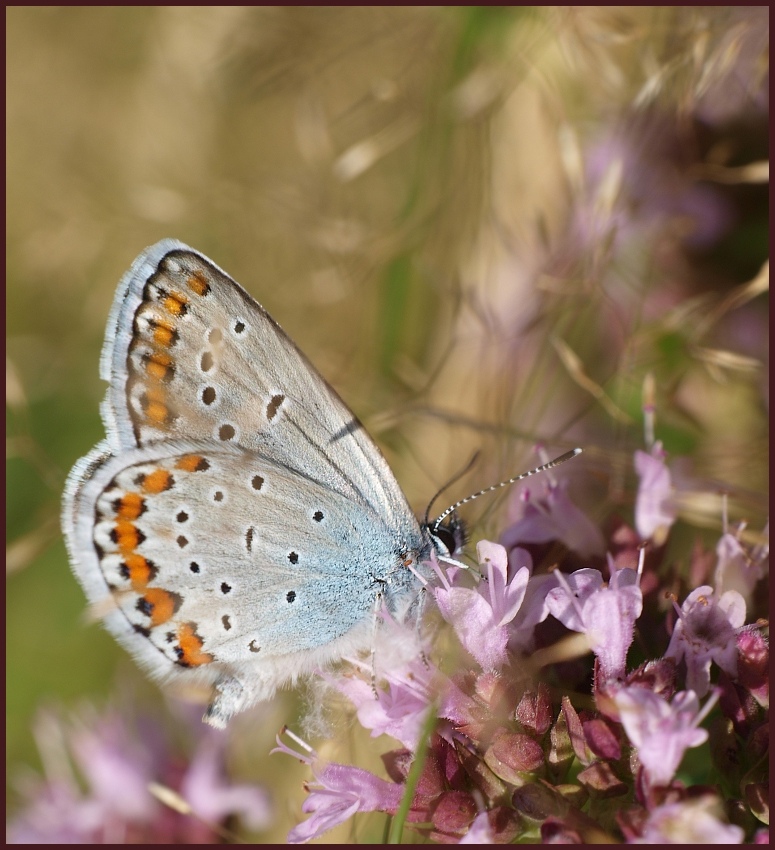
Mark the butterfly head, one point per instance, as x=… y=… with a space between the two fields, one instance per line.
x=449 y=535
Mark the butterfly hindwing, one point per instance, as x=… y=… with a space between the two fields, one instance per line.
x=212 y=558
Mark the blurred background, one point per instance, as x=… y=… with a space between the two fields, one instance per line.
x=488 y=227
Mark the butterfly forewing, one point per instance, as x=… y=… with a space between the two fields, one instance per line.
x=205 y=361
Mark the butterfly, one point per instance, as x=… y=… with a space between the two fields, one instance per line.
x=238 y=524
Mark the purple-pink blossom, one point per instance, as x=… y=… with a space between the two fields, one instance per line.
x=479 y=832
x=693 y=821
x=211 y=797
x=99 y=771
x=739 y=567
x=661 y=731
x=654 y=504
x=553 y=517
x=706 y=631
x=606 y=614
x=337 y=794
x=399 y=709
x=396 y=711
x=480 y=616
x=404 y=686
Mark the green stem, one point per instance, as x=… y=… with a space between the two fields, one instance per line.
x=397 y=826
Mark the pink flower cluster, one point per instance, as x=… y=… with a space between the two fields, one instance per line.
x=101 y=772
x=516 y=751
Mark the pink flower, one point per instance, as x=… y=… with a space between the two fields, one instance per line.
x=479 y=832
x=706 y=631
x=554 y=517
x=692 y=821
x=116 y=769
x=398 y=710
x=533 y=609
x=412 y=685
x=605 y=613
x=339 y=792
x=56 y=813
x=212 y=798
x=99 y=772
x=739 y=568
x=654 y=505
x=661 y=731
x=480 y=616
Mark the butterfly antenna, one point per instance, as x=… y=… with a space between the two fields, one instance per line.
x=456 y=477
x=552 y=463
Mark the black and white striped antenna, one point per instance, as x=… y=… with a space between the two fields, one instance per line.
x=434 y=526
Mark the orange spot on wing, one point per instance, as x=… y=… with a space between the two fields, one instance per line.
x=162 y=604
x=163 y=333
x=140 y=571
x=175 y=303
x=158 y=366
x=127 y=536
x=192 y=463
x=154 y=406
x=157 y=412
x=158 y=481
x=197 y=282
x=190 y=647
x=130 y=506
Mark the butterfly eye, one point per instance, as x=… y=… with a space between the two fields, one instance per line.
x=449 y=539
x=444 y=541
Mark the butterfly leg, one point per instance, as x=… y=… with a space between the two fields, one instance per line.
x=374 y=626
x=422 y=597
x=232 y=696
x=229 y=699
